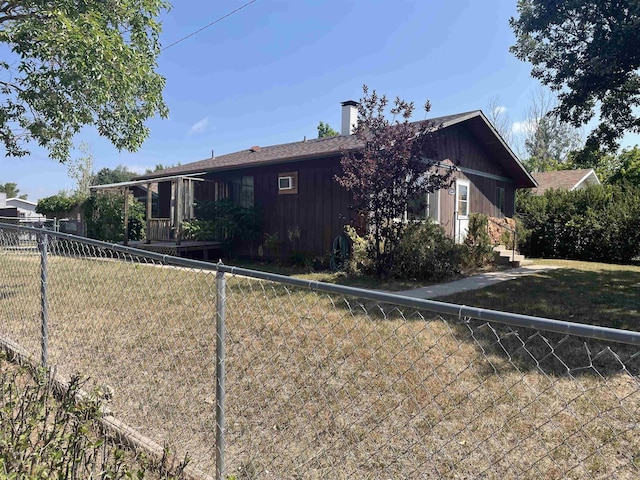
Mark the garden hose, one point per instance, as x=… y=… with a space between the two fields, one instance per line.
x=339 y=253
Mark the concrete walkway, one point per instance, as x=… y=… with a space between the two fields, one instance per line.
x=475 y=282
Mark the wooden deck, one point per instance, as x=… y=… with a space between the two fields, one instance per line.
x=202 y=250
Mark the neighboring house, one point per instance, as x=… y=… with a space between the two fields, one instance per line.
x=294 y=184
x=564 y=180
x=19 y=208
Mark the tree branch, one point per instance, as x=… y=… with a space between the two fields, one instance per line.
x=11 y=85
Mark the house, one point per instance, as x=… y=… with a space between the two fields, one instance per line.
x=19 y=208
x=564 y=180
x=294 y=184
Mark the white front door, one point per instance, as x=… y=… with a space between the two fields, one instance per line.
x=461 y=210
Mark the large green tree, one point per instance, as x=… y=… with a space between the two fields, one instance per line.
x=11 y=190
x=107 y=176
x=589 y=52
x=325 y=130
x=627 y=167
x=76 y=63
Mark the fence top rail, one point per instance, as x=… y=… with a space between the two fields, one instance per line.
x=461 y=311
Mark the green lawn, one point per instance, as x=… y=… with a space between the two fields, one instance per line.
x=586 y=292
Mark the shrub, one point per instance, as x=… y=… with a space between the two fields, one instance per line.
x=45 y=437
x=598 y=223
x=104 y=216
x=477 y=250
x=223 y=219
x=57 y=205
x=359 y=261
x=425 y=252
x=272 y=244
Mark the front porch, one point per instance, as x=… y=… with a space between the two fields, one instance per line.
x=166 y=234
x=197 y=249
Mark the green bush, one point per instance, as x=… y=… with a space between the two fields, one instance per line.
x=104 y=216
x=56 y=205
x=44 y=437
x=359 y=261
x=223 y=220
x=425 y=252
x=477 y=250
x=598 y=223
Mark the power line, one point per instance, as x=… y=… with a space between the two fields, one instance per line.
x=209 y=25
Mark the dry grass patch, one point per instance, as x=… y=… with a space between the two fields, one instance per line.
x=324 y=386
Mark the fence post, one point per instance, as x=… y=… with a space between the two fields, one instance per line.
x=220 y=372
x=43 y=246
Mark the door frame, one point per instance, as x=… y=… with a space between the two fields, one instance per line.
x=461 y=221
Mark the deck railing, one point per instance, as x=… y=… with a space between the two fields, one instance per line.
x=159 y=229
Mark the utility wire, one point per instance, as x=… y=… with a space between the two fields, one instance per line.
x=209 y=25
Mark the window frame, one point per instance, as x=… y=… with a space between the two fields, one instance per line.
x=238 y=190
x=463 y=183
x=293 y=188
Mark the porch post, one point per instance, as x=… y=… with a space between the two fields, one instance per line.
x=125 y=190
x=179 y=203
x=149 y=212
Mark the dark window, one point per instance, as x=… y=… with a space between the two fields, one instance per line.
x=499 y=202
x=417 y=208
x=424 y=206
x=242 y=191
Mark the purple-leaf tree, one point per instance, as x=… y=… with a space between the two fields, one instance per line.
x=398 y=163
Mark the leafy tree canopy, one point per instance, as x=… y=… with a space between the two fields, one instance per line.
x=106 y=175
x=325 y=130
x=59 y=204
x=589 y=52
x=159 y=167
x=394 y=167
x=78 y=63
x=550 y=144
x=11 y=190
x=628 y=167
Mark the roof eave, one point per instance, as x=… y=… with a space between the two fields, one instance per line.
x=257 y=163
x=529 y=182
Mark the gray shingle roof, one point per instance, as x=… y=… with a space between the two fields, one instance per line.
x=561 y=179
x=315 y=148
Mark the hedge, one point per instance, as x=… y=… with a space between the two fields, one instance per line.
x=599 y=223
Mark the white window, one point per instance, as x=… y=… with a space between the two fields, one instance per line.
x=433 y=205
x=285 y=183
x=462 y=198
x=288 y=183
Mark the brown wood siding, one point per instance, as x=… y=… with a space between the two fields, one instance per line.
x=319 y=210
x=482 y=197
x=458 y=144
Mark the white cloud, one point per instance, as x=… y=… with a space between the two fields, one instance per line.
x=525 y=126
x=499 y=110
x=199 y=127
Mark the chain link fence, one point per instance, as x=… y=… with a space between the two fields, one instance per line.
x=258 y=376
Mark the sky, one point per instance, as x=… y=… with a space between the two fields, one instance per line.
x=269 y=73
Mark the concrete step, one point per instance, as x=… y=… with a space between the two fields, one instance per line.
x=505 y=256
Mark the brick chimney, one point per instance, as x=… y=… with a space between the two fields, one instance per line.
x=349 y=117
